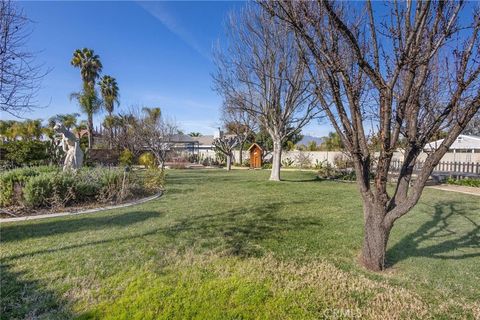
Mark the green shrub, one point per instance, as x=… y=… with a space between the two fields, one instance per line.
x=468 y=182
x=49 y=189
x=126 y=158
x=343 y=162
x=86 y=190
x=38 y=190
x=154 y=180
x=325 y=170
x=21 y=152
x=13 y=181
x=112 y=187
x=267 y=166
x=147 y=159
x=348 y=176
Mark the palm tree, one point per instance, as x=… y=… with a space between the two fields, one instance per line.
x=5 y=132
x=67 y=120
x=110 y=122
x=89 y=64
x=16 y=130
x=153 y=114
x=109 y=90
x=32 y=129
x=90 y=67
x=195 y=134
x=90 y=104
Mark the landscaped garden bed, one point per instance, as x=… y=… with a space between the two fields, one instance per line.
x=48 y=189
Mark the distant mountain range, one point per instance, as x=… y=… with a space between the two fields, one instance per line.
x=307 y=139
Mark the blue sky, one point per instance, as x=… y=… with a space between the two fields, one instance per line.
x=160 y=53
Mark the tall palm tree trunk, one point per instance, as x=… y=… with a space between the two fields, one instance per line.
x=110 y=129
x=90 y=131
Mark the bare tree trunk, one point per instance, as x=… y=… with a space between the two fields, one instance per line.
x=240 y=157
x=376 y=235
x=229 y=162
x=276 y=160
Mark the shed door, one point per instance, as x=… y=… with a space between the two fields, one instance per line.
x=256 y=158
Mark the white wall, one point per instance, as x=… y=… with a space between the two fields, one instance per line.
x=330 y=156
x=314 y=156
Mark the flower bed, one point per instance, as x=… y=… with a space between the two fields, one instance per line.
x=32 y=190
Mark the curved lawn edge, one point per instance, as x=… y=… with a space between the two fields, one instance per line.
x=68 y=213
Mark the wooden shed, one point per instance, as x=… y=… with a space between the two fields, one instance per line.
x=256 y=153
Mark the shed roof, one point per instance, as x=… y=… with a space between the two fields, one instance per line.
x=462 y=142
x=255 y=144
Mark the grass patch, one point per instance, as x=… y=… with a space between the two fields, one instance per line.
x=222 y=245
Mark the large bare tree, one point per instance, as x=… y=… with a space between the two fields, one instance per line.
x=260 y=72
x=409 y=67
x=19 y=75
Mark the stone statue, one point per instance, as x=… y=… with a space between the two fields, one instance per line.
x=71 y=146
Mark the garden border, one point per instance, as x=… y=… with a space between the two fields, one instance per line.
x=93 y=210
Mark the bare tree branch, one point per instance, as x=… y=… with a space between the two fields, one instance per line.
x=19 y=76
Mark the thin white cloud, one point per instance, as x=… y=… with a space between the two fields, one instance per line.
x=167 y=101
x=206 y=127
x=160 y=12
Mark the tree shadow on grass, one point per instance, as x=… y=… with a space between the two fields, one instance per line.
x=28 y=299
x=438 y=238
x=174 y=190
x=313 y=179
x=21 y=231
x=235 y=232
x=239 y=231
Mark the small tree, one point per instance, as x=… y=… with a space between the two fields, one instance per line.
x=332 y=142
x=124 y=126
x=240 y=123
x=155 y=133
x=312 y=146
x=225 y=144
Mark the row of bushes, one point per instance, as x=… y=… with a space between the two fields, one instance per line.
x=18 y=153
x=464 y=182
x=50 y=187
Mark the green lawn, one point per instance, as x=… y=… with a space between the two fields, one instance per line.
x=232 y=245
